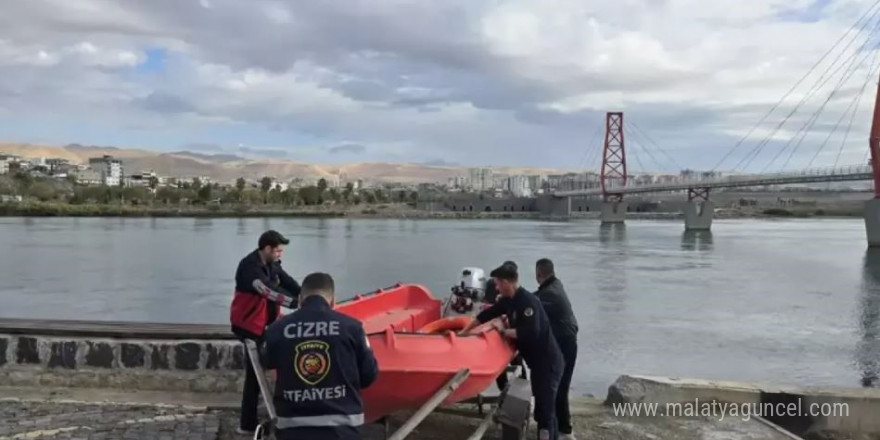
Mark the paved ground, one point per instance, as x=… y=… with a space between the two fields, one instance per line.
x=96 y=414
x=31 y=420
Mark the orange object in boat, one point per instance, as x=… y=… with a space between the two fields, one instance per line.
x=414 y=365
x=452 y=323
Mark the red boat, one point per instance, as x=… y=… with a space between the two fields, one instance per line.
x=416 y=353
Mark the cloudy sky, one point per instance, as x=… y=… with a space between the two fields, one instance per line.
x=471 y=82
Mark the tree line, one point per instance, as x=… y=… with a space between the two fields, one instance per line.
x=195 y=193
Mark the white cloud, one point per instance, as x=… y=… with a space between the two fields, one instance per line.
x=523 y=81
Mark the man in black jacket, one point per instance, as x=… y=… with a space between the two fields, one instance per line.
x=531 y=330
x=565 y=329
x=323 y=361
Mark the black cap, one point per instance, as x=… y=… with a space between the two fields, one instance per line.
x=272 y=238
x=505 y=272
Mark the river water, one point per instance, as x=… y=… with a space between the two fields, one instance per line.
x=789 y=301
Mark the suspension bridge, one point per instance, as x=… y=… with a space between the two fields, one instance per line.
x=819 y=111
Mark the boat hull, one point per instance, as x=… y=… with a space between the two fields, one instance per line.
x=412 y=365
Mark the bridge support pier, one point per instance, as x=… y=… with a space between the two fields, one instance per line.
x=560 y=208
x=613 y=212
x=872 y=222
x=698 y=215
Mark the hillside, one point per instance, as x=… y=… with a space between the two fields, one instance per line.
x=226 y=167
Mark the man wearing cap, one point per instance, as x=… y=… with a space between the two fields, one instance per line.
x=261 y=288
x=530 y=329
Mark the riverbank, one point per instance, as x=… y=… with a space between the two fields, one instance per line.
x=387 y=211
x=40 y=209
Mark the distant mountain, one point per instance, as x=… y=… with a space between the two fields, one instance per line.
x=228 y=167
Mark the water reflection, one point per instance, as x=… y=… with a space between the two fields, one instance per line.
x=241 y=227
x=696 y=241
x=868 y=349
x=612 y=233
x=610 y=269
x=202 y=223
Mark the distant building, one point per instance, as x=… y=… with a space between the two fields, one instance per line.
x=457 y=183
x=111 y=169
x=519 y=186
x=480 y=179
x=89 y=177
x=5 y=161
x=58 y=166
x=141 y=179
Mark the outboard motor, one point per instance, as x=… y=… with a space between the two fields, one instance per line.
x=467 y=293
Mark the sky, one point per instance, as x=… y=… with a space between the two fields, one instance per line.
x=466 y=82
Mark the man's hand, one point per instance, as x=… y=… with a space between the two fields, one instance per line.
x=499 y=324
x=510 y=333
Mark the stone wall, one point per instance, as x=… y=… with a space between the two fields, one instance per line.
x=180 y=365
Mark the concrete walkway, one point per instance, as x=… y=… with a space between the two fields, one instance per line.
x=68 y=413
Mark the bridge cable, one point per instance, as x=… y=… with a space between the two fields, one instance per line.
x=590 y=148
x=815 y=117
x=799 y=81
x=803 y=131
x=643 y=146
x=820 y=82
x=850 y=111
x=644 y=134
x=594 y=159
x=749 y=158
x=855 y=109
x=635 y=148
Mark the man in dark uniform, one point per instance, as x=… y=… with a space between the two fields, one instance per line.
x=261 y=288
x=323 y=361
x=490 y=296
x=565 y=328
x=530 y=328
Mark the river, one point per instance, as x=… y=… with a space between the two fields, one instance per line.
x=787 y=301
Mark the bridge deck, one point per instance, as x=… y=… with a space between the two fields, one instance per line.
x=841 y=174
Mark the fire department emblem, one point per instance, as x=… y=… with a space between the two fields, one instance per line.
x=312 y=361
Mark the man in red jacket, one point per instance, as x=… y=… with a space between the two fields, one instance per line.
x=261 y=288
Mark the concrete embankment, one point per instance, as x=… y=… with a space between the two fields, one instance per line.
x=121 y=356
x=815 y=412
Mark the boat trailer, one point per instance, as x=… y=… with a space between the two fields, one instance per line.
x=512 y=409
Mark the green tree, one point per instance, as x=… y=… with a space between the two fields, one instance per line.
x=265 y=186
x=334 y=195
x=154 y=183
x=289 y=196
x=401 y=196
x=349 y=190
x=42 y=191
x=369 y=197
x=240 y=184
x=310 y=195
x=380 y=196
x=414 y=197
x=196 y=184
x=322 y=185
x=204 y=194
x=168 y=195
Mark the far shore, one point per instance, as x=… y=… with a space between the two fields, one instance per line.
x=380 y=211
